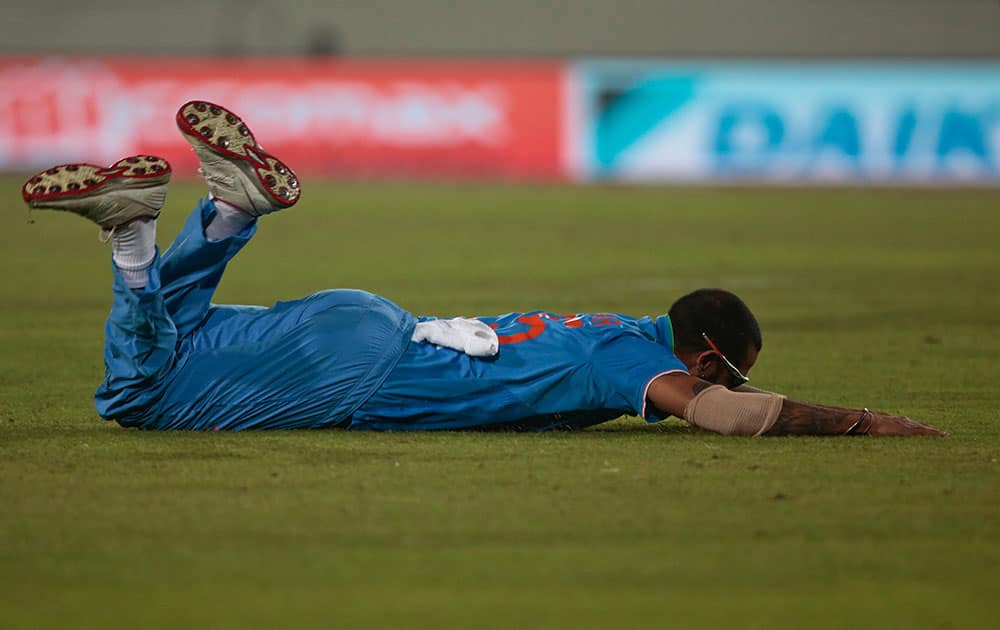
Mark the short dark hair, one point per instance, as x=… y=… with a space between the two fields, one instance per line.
x=719 y=314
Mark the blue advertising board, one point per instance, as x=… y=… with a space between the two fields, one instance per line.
x=936 y=123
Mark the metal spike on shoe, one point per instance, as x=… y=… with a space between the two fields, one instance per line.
x=132 y=188
x=236 y=168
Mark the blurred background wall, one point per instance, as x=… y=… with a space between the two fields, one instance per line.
x=779 y=91
x=672 y=28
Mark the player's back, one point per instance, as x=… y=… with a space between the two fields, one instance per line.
x=553 y=370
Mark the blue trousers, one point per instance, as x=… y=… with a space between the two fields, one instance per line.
x=174 y=360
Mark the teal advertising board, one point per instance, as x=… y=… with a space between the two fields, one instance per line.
x=786 y=122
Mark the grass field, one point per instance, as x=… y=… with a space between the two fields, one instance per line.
x=883 y=298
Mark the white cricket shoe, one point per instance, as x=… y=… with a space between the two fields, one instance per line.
x=236 y=168
x=131 y=188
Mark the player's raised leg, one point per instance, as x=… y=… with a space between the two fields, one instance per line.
x=237 y=169
x=124 y=200
x=245 y=182
x=300 y=364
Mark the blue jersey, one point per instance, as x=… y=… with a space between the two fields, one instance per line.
x=552 y=371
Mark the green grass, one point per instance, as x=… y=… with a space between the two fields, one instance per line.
x=882 y=298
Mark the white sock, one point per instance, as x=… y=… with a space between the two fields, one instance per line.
x=228 y=221
x=133 y=248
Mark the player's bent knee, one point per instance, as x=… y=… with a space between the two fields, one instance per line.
x=734 y=413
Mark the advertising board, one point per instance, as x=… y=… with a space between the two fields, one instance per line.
x=787 y=122
x=329 y=117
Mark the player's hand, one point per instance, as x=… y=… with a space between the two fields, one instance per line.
x=884 y=425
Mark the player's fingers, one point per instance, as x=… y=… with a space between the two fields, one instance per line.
x=923 y=429
x=887 y=425
x=916 y=428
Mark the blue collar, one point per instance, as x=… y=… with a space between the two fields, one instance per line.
x=659 y=330
x=665 y=331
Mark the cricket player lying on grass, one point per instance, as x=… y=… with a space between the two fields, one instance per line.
x=351 y=359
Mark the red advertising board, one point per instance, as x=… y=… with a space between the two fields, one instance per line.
x=333 y=117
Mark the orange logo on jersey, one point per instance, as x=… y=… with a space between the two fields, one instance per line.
x=537 y=323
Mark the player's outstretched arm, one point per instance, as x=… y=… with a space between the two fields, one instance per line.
x=800 y=418
x=748 y=411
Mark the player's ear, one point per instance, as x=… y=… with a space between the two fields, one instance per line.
x=705 y=366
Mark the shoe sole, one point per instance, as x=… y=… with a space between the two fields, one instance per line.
x=222 y=132
x=79 y=181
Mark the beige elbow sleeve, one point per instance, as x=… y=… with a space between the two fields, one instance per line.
x=734 y=413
